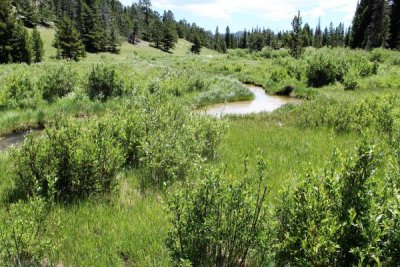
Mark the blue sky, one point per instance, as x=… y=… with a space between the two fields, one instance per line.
x=241 y=14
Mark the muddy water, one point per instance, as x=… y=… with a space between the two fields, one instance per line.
x=14 y=139
x=261 y=103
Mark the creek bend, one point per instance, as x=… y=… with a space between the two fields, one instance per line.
x=262 y=102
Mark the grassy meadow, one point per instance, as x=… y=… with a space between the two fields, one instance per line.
x=128 y=224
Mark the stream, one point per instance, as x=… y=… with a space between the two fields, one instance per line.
x=14 y=139
x=261 y=103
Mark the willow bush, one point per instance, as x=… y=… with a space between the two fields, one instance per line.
x=219 y=223
x=71 y=162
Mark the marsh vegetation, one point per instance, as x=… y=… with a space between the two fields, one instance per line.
x=126 y=171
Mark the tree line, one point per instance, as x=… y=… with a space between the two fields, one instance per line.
x=16 y=44
x=376 y=24
x=98 y=26
x=92 y=26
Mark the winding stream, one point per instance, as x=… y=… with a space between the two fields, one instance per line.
x=261 y=103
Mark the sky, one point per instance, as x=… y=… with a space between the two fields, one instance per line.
x=246 y=14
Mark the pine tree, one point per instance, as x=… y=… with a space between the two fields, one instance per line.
x=156 y=32
x=45 y=12
x=243 y=40
x=394 y=41
x=67 y=41
x=348 y=37
x=318 y=35
x=37 y=46
x=296 y=40
x=147 y=5
x=378 y=30
x=307 y=35
x=169 y=36
x=21 y=48
x=93 y=34
x=7 y=27
x=28 y=11
x=228 y=38
x=114 y=42
x=361 y=22
x=325 y=37
x=196 y=47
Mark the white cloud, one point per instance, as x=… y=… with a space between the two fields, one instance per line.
x=268 y=10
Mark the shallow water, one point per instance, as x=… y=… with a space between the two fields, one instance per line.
x=261 y=103
x=14 y=139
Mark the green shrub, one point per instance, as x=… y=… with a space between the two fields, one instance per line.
x=219 y=223
x=57 y=83
x=268 y=53
x=350 y=80
x=173 y=141
x=327 y=220
x=27 y=236
x=70 y=162
x=323 y=69
x=19 y=93
x=103 y=83
x=378 y=114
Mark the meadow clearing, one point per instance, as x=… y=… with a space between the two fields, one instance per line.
x=123 y=159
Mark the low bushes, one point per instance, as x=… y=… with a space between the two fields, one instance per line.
x=219 y=223
x=103 y=83
x=27 y=236
x=19 y=93
x=71 y=162
x=75 y=161
x=375 y=113
x=343 y=216
x=326 y=67
x=166 y=141
x=57 y=83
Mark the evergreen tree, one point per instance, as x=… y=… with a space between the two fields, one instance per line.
x=28 y=11
x=361 y=22
x=37 y=46
x=67 y=41
x=92 y=32
x=243 y=40
x=228 y=38
x=255 y=42
x=169 y=36
x=296 y=38
x=21 y=48
x=7 y=27
x=348 y=37
x=378 y=30
x=394 y=41
x=307 y=35
x=196 y=47
x=146 y=6
x=340 y=35
x=216 y=39
x=156 y=31
x=45 y=12
x=114 y=42
x=318 y=35
x=325 y=37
